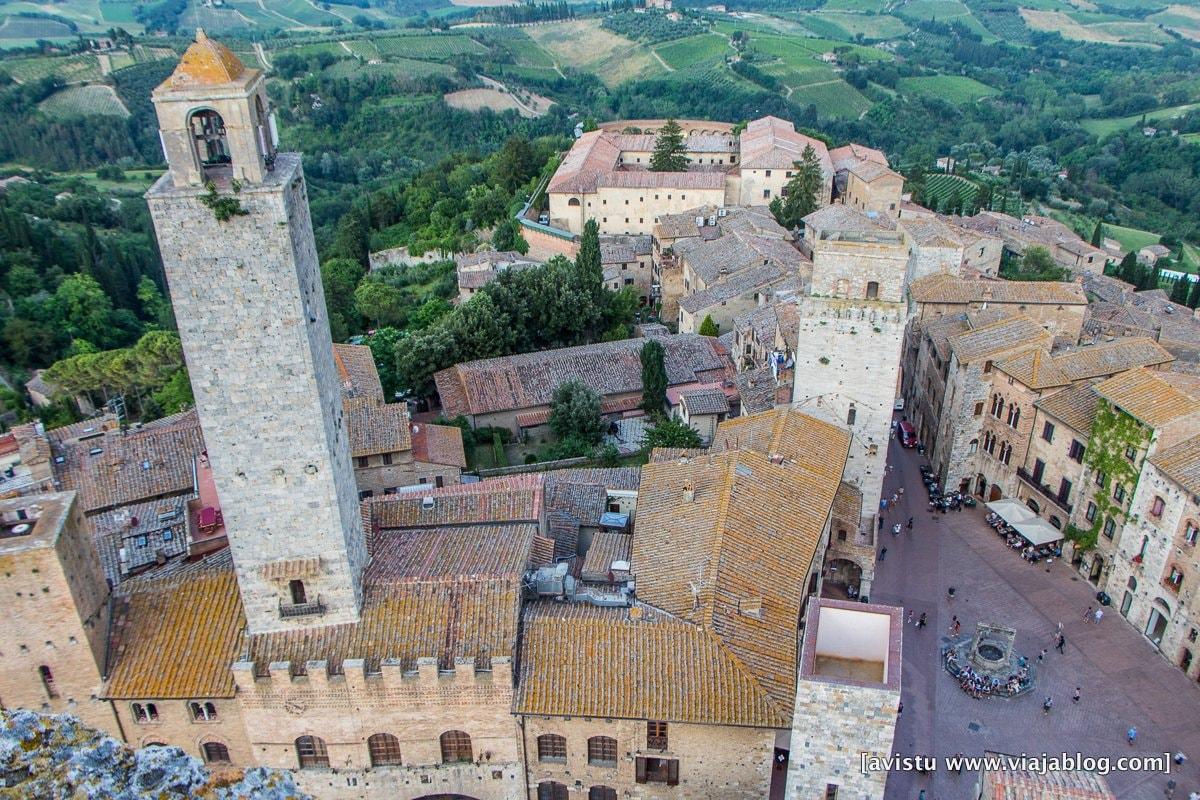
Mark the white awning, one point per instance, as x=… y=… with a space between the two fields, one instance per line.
x=1024 y=521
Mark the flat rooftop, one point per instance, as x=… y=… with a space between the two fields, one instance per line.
x=852 y=643
x=33 y=521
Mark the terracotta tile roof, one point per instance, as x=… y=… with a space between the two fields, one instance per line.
x=122 y=468
x=479 y=269
x=759 y=279
x=847 y=504
x=586 y=502
x=848 y=155
x=620 y=478
x=377 y=429
x=356 y=370
x=606 y=547
x=705 y=401
x=809 y=443
x=116 y=529
x=593 y=154
x=1035 y=368
x=176 y=636
x=87 y=427
x=929 y=232
x=206 y=63
x=872 y=170
x=666 y=454
x=773 y=143
x=563 y=527
x=837 y=217
x=946 y=288
x=581 y=660
x=512 y=499
x=1181 y=463
x=1013 y=784
x=757 y=390
x=406 y=620
x=1075 y=406
x=1109 y=359
x=526 y=381
x=1144 y=395
x=438 y=444
x=471 y=551
x=998 y=338
x=698 y=559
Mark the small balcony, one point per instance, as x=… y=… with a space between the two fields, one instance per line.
x=656 y=742
x=1044 y=490
x=309 y=609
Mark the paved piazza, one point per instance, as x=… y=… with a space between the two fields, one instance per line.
x=1124 y=680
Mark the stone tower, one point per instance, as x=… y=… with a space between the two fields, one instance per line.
x=247 y=294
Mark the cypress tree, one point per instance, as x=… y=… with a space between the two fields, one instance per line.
x=1098 y=234
x=654 y=377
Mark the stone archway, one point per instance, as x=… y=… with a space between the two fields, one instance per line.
x=996 y=493
x=1156 y=625
x=843 y=579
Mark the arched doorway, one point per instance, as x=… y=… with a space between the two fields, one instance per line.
x=996 y=494
x=1156 y=626
x=1097 y=568
x=980 y=484
x=843 y=579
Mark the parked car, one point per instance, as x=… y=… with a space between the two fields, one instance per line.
x=908 y=434
x=898 y=405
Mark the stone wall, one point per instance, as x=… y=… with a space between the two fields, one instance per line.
x=544 y=246
x=881 y=196
x=1004 y=473
x=415 y=707
x=56 y=616
x=252 y=319
x=1056 y=457
x=377 y=477
x=714 y=761
x=627 y=211
x=860 y=343
x=953 y=458
x=176 y=726
x=844 y=268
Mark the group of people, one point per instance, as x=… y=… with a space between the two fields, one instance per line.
x=1030 y=553
x=980 y=686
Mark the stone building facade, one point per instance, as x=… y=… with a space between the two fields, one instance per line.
x=255 y=333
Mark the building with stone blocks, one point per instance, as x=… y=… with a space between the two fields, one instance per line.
x=1053 y=465
x=1004 y=784
x=57 y=610
x=1154 y=576
x=606 y=174
x=766 y=337
x=850 y=661
x=1065 y=246
x=515 y=391
x=850 y=329
x=252 y=319
x=626 y=261
x=1060 y=307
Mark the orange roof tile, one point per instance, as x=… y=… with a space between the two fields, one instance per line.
x=206 y=62
x=1144 y=395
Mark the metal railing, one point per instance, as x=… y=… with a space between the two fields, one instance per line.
x=301 y=609
x=1044 y=490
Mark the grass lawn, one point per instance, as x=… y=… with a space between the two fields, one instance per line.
x=955 y=89
x=1103 y=127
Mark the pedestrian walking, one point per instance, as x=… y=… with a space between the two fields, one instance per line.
x=953 y=622
x=900 y=491
x=950 y=593
x=1179 y=758
x=1075 y=697
x=881 y=523
x=1099 y=614
x=1046 y=704
x=1062 y=642
x=883 y=554
x=1087 y=615
x=900 y=708
x=957 y=627
x=895 y=498
x=921 y=795
x=921 y=621
x=910 y=521
x=896 y=529
x=909 y=620
x=1131 y=735
x=1059 y=631
x=1041 y=655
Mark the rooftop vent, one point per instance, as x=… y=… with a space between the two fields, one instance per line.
x=145 y=465
x=95 y=451
x=427 y=503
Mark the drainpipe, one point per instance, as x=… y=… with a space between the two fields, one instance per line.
x=524 y=755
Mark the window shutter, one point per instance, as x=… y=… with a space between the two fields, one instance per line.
x=673 y=772
x=641 y=770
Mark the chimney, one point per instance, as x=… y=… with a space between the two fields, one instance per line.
x=776 y=458
x=689 y=494
x=987 y=292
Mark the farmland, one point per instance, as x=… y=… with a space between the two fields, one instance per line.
x=693 y=50
x=951 y=88
x=941 y=189
x=432 y=47
x=583 y=44
x=1103 y=127
x=84 y=100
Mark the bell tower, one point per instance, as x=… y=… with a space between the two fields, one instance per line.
x=232 y=221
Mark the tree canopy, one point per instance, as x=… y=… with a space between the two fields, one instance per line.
x=671 y=432
x=670 y=153
x=575 y=413
x=654 y=377
x=803 y=192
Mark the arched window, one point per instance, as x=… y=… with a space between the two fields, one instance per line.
x=144 y=712
x=47 y=681
x=299 y=596
x=384 y=749
x=311 y=752
x=456 y=747
x=872 y=290
x=214 y=753
x=552 y=747
x=202 y=712
x=1131 y=583
x=1056 y=522
x=973 y=446
x=574 y=201
x=208 y=139
x=1033 y=505
x=602 y=793
x=552 y=790
x=602 y=751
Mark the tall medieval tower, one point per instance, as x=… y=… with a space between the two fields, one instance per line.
x=233 y=226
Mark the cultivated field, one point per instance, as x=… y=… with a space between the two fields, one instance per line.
x=693 y=50
x=955 y=89
x=71 y=69
x=1133 y=34
x=1103 y=127
x=1184 y=20
x=528 y=106
x=433 y=47
x=585 y=45
x=839 y=25
x=940 y=189
x=84 y=100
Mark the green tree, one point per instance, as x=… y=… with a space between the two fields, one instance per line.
x=155 y=307
x=654 y=377
x=671 y=432
x=1128 y=270
x=587 y=260
x=708 y=327
x=87 y=312
x=339 y=278
x=1038 y=265
x=353 y=237
x=381 y=303
x=1180 y=290
x=419 y=356
x=1098 y=234
x=1194 y=295
x=803 y=191
x=670 y=153
x=507 y=236
x=176 y=394
x=575 y=413
x=514 y=164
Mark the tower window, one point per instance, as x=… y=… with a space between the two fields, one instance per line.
x=299 y=596
x=873 y=290
x=384 y=749
x=48 y=681
x=144 y=712
x=202 y=712
x=209 y=141
x=456 y=747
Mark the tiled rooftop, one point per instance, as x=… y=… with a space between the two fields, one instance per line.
x=529 y=380
x=1181 y=463
x=1035 y=368
x=1146 y=396
x=1113 y=357
x=438 y=444
x=357 y=372
x=1001 y=337
x=757 y=390
x=512 y=499
x=773 y=143
x=1074 y=405
x=377 y=428
x=606 y=547
x=947 y=288
x=705 y=401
